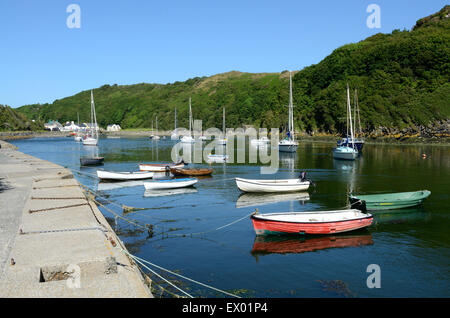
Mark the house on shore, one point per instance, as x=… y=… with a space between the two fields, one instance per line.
x=113 y=127
x=53 y=125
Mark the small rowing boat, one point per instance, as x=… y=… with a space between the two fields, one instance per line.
x=282 y=185
x=170 y=184
x=217 y=158
x=160 y=167
x=388 y=201
x=320 y=222
x=91 y=161
x=191 y=172
x=121 y=176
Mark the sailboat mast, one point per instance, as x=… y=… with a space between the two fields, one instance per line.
x=93 y=115
x=223 y=124
x=175 y=118
x=190 y=116
x=291 y=109
x=350 y=116
x=359 y=118
x=354 y=114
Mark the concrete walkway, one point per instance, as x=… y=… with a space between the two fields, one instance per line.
x=53 y=241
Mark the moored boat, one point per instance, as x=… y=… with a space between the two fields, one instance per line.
x=281 y=185
x=160 y=167
x=320 y=222
x=345 y=153
x=191 y=172
x=217 y=158
x=388 y=201
x=170 y=184
x=121 y=176
x=91 y=161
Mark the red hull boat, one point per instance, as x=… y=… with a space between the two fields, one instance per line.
x=322 y=222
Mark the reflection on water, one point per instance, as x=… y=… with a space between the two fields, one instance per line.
x=287 y=244
x=405 y=243
x=259 y=199
x=167 y=192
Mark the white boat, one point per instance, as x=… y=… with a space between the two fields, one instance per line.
x=189 y=139
x=160 y=167
x=344 y=152
x=289 y=144
x=270 y=186
x=218 y=158
x=121 y=176
x=170 y=184
x=261 y=141
x=78 y=138
x=91 y=139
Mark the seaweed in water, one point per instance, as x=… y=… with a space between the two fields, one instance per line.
x=336 y=286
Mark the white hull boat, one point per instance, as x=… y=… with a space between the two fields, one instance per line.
x=160 y=167
x=187 y=140
x=345 y=153
x=90 y=141
x=271 y=186
x=170 y=184
x=288 y=146
x=260 y=142
x=217 y=158
x=121 y=176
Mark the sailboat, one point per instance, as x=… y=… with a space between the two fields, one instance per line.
x=189 y=139
x=345 y=151
x=91 y=139
x=359 y=142
x=223 y=140
x=78 y=136
x=289 y=144
x=174 y=135
x=156 y=137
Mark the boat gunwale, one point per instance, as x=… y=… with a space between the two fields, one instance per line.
x=258 y=217
x=280 y=182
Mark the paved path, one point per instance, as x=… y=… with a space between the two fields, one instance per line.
x=54 y=242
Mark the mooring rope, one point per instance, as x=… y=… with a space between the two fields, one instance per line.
x=141 y=260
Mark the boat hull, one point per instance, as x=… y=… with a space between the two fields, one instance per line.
x=159 y=167
x=344 y=154
x=122 y=176
x=272 y=186
x=389 y=201
x=170 y=184
x=264 y=226
x=90 y=142
x=287 y=148
x=190 y=172
x=92 y=161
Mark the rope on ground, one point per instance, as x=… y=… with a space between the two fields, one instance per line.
x=140 y=260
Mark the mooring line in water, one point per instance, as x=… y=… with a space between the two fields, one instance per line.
x=155 y=273
x=140 y=260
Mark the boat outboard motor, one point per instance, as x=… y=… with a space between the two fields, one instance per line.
x=304 y=179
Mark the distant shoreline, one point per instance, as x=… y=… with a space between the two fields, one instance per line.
x=330 y=139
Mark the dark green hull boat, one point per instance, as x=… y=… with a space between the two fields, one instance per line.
x=388 y=201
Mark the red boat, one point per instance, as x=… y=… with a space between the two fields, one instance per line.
x=320 y=222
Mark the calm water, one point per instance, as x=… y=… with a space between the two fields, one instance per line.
x=412 y=247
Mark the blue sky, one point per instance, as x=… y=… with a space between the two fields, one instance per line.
x=135 y=41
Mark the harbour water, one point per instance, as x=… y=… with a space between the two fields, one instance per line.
x=204 y=233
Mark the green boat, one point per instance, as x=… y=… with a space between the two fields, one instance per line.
x=388 y=201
